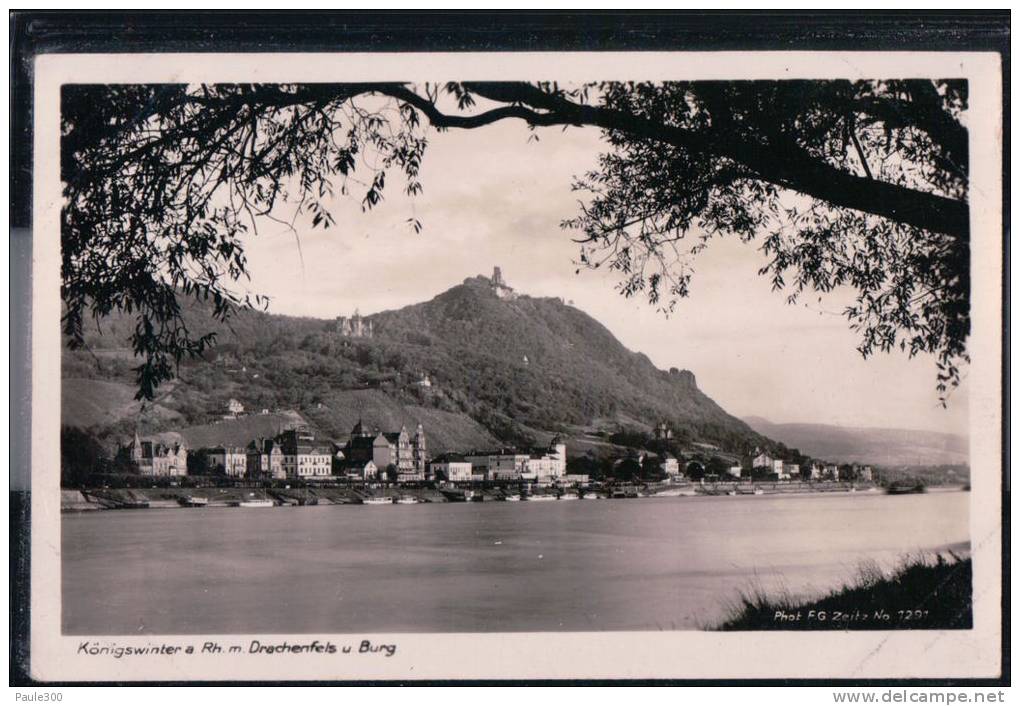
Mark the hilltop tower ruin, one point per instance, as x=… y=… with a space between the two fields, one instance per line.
x=499 y=285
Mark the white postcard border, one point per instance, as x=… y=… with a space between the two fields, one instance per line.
x=678 y=655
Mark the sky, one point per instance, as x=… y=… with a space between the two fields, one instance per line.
x=494 y=197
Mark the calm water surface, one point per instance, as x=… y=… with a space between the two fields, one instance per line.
x=647 y=564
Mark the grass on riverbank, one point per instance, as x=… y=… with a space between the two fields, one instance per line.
x=922 y=593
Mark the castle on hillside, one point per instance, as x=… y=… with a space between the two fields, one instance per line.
x=355 y=326
x=663 y=431
x=502 y=289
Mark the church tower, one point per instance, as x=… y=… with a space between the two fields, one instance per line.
x=136 y=449
x=420 y=451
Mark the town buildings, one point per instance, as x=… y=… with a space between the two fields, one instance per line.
x=265 y=460
x=670 y=466
x=502 y=464
x=542 y=464
x=360 y=470
x=231 y=461
x=407 y=456
x=303 y=456
x=762 y=461
x=152 y=458
x=451 y=467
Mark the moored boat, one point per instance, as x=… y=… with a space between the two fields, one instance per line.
x=570 y=496
x=669 y=493
x=514 y=498
x=539 y=498
x=194 y=501
x=906 y=487
x=256 y=502
x=407 y=500
x=382 y=500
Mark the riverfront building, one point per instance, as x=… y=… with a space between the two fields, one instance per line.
x=451 y=467
x=231 y=461
x=762 y=462
x=670 y=466
x=360 y=470
x=151 y=458
x=265 y=460
x=303 y=456
x=409 y=456
x=542 y=464
x=499 y=465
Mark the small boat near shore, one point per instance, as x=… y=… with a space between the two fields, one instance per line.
x=407 y=500
x=570 y=496
x=194 y=501
x=539 y=498
x=383 y=500
x=255 y=502
x=669 y=493
x=515 y=498
x=906 y=487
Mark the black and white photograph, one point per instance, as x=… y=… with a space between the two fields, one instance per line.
x=523 y=353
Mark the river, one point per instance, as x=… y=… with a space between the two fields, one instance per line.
x=642 y=564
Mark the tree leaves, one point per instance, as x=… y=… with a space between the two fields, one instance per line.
x=163 y=183
x=651 y=208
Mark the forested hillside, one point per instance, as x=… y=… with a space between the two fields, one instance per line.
x=474 y=367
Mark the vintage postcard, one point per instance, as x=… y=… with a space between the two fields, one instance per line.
x=517 y=366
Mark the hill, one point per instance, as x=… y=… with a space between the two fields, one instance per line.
x=88 y=403
x=886 y=447
x=477 y=365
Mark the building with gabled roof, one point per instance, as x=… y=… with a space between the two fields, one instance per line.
x=303 y=455
x=265 y=459
x=409 y=456
x=154 y=458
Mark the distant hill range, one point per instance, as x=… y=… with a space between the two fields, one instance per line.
x=887 y=447
x=477 y=365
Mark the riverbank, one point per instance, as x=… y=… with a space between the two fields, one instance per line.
x=931 y=592
x=92 y=499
